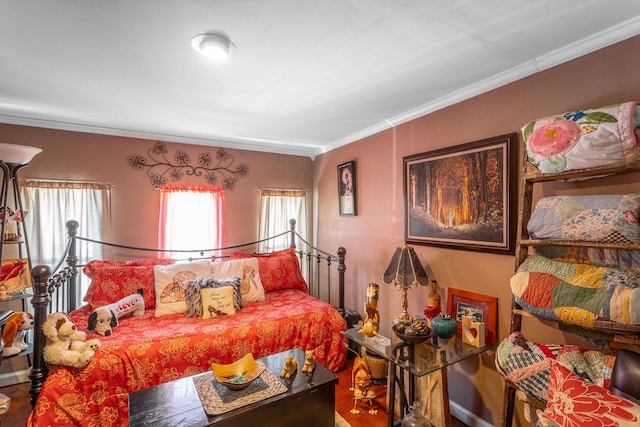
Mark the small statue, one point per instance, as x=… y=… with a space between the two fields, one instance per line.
x=372 y=321
x=290 y=367
x=309 y=362
x=361 y=386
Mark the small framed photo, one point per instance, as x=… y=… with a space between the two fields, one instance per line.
x=481 y=308
x=347 y=188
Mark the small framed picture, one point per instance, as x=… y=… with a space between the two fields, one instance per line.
x=347 y=188
x=478 y=307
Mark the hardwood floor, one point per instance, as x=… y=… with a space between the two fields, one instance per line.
x=344 y=403
x=20 y=406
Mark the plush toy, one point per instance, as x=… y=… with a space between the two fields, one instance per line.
x=65 y=344
x=104 y=319
x=15 y=331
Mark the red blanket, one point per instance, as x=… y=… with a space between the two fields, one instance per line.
x=143 y=352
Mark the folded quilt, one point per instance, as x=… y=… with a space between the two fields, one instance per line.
x=577 y=294
x=603 y=218
x=582 y=139
x=527 y=365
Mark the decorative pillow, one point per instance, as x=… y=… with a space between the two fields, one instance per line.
x=152 y=261
x=278 y=270
x=576 y=402
x=217 y=302
x=251 y=287
x=194 y=300
x=113 y=281
x=170 y=285
x=92 y=266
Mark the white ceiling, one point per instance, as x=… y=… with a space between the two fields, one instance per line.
x=307 y=76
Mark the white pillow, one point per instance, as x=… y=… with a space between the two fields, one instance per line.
x=217 y=302
x=169 y=281
x=251 y=287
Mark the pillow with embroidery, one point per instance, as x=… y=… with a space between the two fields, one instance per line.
x=194 y=299
x=278 y=270
x=110 y=283
x=251 y=287
x=170 y=285
x=217 y=302
x=574 y=401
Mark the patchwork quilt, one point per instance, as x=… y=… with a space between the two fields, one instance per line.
x=578 y=294
x=604 y=218
x=527 y=365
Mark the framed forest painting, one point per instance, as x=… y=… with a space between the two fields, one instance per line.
x=463 y=197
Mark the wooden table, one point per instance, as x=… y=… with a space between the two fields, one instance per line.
x=309 y=401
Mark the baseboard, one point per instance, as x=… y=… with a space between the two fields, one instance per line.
x=468 y=418
x=16 y=377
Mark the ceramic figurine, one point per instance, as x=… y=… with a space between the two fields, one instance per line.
x=309 y=362
x=290 y=367
x=372 y=321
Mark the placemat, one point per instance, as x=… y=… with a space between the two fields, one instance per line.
x=217 y=399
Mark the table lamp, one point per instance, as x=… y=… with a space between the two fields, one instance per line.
x=405 y=270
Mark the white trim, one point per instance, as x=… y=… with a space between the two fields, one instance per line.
x=467 y=417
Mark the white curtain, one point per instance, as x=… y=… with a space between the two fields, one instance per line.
x=50 y=204
x=191 y=217
x=277 y=207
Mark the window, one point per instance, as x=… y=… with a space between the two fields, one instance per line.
x=277 y=207
x=191 y=217
x=50 y=204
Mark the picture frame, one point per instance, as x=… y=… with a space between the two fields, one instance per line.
x=482 y=308
x=463 y=197
x=347 y=188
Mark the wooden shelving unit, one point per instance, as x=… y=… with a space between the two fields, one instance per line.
x=531 y=176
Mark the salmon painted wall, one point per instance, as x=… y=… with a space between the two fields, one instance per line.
x=89 y=157
x=604 y=77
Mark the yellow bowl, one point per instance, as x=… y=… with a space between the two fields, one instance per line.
x=238 y=375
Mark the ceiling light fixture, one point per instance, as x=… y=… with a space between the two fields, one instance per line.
x=214 y=46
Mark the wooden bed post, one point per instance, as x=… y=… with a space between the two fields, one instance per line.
x=40 y=302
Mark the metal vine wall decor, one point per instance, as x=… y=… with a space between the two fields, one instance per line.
x=160 y=169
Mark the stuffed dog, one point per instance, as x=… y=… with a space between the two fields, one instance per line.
x=15 y=331
x=65 y=344
x=104 y=319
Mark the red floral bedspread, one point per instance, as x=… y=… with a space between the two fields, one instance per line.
x=143 y=352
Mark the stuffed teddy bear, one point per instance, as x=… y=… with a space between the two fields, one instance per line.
x=65 y=344
x=15 y=331
x=104 y=319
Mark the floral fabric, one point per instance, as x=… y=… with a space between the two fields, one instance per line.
x=582 y=139
x=601 y=218
x=574 y=402
x=278 y=270
x=146 y=351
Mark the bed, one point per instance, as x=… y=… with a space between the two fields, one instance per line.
x=173 y=339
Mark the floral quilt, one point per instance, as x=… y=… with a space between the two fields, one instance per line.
x=146 y=351
x=583 y=138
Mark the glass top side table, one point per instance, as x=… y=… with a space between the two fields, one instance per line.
x=417 y=360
